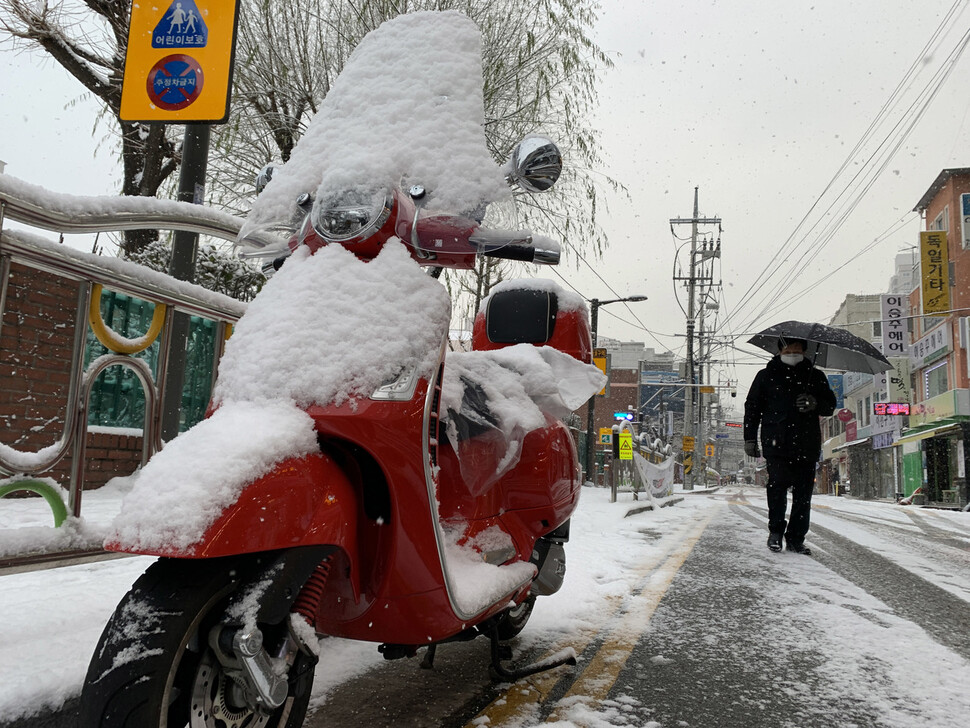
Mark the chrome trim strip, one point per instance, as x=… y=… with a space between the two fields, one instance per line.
x=433 y=499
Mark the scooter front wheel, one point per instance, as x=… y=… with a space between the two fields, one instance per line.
x=154 y=667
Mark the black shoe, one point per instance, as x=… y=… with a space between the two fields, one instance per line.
x=774 y=541
x=799 y=549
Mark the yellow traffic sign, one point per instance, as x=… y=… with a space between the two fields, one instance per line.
x=688 y=445
x=178 y=67
x=626 y=445
x=707 y=389
x=606 y=436
x=709 y=450
x=688 y=463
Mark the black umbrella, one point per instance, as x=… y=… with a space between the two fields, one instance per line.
x=828 y=347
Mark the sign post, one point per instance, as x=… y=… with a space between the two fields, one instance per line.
x=178 y=70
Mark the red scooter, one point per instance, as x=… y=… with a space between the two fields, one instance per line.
x=351 y=480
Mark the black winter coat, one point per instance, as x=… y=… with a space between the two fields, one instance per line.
x=786 y=432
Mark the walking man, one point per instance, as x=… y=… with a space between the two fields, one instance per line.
x=786 y=399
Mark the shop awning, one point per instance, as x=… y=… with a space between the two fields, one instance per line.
x=851 y=443
x=928 y=432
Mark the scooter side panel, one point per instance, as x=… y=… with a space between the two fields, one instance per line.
x=303 y=502
x=412 y=619
x=390 y=433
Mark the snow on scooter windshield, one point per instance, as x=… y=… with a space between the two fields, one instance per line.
x=351 y=480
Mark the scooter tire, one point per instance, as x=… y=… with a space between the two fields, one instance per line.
x=513 y=620
x=153 y=661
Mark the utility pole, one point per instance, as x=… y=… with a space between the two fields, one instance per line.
x=690 y=408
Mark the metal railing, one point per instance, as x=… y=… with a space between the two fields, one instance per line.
x=38 y=208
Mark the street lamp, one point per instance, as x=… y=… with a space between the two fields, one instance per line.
x=594 y=306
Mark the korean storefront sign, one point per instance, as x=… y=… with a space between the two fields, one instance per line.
x=835 y=384
x=935 y=268
x=948 y=404
x=965 y=218
x=894 y=336
x=931 y=347
x=898 y=380
x=851 y=381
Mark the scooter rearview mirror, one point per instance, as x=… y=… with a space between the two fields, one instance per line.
x=535 y=164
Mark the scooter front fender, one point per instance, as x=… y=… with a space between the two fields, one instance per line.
x=305 y=501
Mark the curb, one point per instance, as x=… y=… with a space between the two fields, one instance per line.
x=649 y=506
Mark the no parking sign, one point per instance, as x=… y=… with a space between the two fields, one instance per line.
x=178 y=67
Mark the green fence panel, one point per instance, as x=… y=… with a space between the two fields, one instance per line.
x=117 y=399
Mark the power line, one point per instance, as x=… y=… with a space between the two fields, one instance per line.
x=847 y=207
x=924 y=98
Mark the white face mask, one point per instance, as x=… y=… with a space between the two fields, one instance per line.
x=792 y=359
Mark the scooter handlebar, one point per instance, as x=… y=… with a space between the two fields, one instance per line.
x=521 y=248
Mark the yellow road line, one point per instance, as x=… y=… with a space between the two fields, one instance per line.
x=598 y=678
x=631 y=616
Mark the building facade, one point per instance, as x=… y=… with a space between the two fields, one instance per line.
x=932 y=448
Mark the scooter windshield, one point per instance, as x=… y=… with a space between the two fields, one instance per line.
x=406 y=110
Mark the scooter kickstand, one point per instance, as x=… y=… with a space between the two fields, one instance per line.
x=500 y=651
x=428 y=662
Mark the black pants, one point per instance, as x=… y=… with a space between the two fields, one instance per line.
x=799 y=475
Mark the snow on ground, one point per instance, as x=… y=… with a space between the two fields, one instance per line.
x=52 y=619
x=894 y=532
x=603 y=549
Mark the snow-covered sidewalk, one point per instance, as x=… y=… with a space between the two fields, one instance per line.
x=52 y=619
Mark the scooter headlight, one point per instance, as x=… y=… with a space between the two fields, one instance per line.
x=351 y=215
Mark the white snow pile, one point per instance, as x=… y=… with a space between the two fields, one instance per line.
x=185 y=487
x=328 y=328
x=476 y=584
x=83 y=209
x=26 y=462
x=408 y=104
x=520 y=383
x=35 y=533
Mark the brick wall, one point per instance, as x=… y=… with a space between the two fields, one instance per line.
x=36 y=347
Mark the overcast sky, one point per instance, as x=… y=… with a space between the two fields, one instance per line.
x=756 y=102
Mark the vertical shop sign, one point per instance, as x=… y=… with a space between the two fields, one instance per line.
x=601 y=362
x=894 y=336
x=898 y=384
x=965 y=218
x=836 y=385
x=935 y=268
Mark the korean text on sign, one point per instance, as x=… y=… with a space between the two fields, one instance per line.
x=935 y=265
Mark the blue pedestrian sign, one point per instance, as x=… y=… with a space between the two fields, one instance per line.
x=181 y=27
